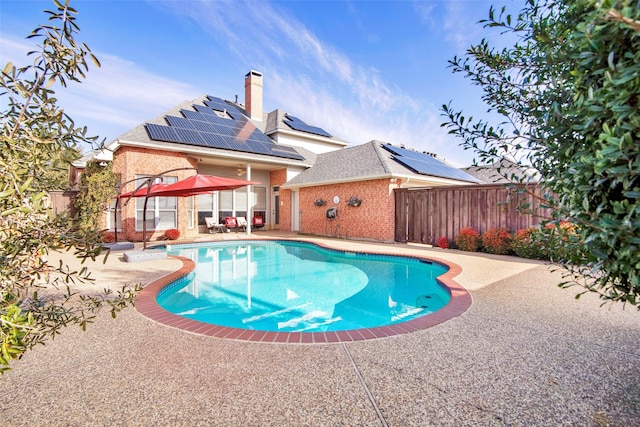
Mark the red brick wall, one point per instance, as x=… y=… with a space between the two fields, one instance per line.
x=132 y=161
x=373 y=219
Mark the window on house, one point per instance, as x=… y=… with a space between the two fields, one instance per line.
x=260 y=202
x=206 y=207
x=241 y=202
x=190 y=212
x=222 y=204
x=114 y=218
x=162 y=212
x=225 y=205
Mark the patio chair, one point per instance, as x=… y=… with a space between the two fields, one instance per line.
x=242 y=223
x=257 y=222
x=230 y=222
x=213 y=226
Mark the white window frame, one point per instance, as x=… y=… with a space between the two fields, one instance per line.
x=156 y=206
x=191 y=211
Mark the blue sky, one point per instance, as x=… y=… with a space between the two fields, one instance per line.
x=361 y=70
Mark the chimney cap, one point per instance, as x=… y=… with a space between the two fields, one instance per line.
x=254 y=73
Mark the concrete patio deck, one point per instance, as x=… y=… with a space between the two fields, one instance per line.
x=525 y=353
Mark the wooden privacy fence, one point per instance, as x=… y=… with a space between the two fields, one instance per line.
x=61 y=201
x=425 y=215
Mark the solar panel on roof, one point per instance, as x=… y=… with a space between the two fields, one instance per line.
x=215 y=100
x=205 y=110
x=400 y=151
x=224 y=130
x=297 y=124
x=221 y=105
x=179 y=122
x=306 y=128
x=286 y=152
x=216 y=105
x=193 y=115
x=292 y=118
x=204 y=127
x=215 y=141
x=161 y=133
x=190 y=136
x=426 y=164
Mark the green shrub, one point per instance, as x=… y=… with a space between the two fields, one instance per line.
x=562 y=243
x=468 y=239
x=526 y=243
x=497 y=241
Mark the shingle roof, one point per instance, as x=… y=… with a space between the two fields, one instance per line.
x=357 y=163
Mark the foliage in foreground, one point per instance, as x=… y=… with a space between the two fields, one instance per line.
x=37 y=298
x=569 y=94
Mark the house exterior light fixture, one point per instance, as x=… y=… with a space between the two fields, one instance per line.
x=354 y=201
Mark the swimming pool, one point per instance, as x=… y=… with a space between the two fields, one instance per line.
x=292 y=286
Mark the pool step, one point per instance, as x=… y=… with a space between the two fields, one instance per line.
x=148 y=255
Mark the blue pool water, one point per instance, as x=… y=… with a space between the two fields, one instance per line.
x=288 y=286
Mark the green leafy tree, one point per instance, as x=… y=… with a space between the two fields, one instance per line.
x=568 y=91
x=57 y=176
x=35 y=299
x=97 y=188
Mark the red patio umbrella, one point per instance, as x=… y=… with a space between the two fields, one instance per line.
x=200 y=184
x=192 y=186
x=142 y=191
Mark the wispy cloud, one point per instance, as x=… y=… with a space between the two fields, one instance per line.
x=113 y=98
x=304 y=75
x=314 y=80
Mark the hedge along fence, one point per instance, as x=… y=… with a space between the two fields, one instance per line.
x=425 y=215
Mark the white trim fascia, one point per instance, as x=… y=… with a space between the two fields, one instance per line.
x=409 y=178
x=432 y=178
x=202 y=152
x=310 y=136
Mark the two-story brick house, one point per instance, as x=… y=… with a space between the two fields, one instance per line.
x=298 y=166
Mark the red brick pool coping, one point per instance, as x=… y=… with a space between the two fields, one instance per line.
x=146 y=304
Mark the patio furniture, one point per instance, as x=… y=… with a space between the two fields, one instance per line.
x=242 y=223
x=257 y=222
x=213 y=226
x=230 y=222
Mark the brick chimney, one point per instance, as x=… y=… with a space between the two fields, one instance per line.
x=253 y=94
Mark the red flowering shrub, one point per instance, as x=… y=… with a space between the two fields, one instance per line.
x=497 y=241
x=108 y=237
x=468 y=239
x=171 y=234
x=443 y=243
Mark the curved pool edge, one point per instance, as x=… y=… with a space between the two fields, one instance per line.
x=146 y=305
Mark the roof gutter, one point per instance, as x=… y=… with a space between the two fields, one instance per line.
x=404 y=179
x=203 y=152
